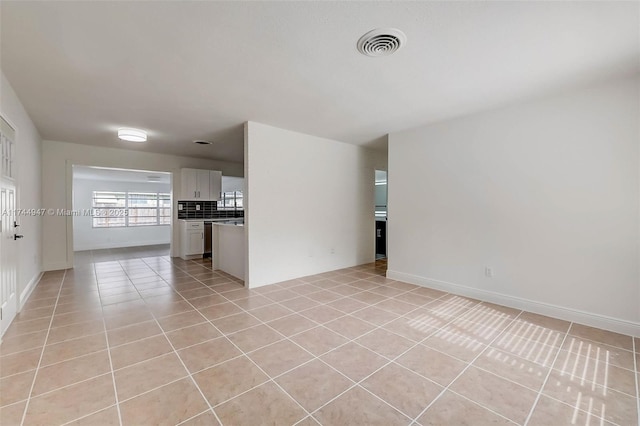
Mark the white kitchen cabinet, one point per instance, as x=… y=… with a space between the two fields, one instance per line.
x=200 y=185
x=215 y=184
x=191 y=239
x=232 y=184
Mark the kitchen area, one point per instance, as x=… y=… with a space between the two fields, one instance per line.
x=381 y=213
x=210 y=212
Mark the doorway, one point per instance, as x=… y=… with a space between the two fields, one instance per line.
x=120 y=213
x=381 y=213
x=8 y=227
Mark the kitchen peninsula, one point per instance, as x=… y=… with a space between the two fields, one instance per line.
x=228 y=247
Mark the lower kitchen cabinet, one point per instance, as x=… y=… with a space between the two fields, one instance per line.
x=192 y=239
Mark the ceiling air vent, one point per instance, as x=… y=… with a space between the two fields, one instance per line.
x=202 y=142
x=381 y=42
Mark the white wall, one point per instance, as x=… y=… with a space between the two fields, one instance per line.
x=86 y=237
x=309 y=205
x=28 y=152
x=57 y=161
x=546 y=193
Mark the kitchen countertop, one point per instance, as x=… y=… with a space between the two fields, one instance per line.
x=228 y=224
x=217 y=219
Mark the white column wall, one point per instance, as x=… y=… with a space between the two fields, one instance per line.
x=309 y=205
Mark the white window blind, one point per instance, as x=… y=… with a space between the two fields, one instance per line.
x=120 y=209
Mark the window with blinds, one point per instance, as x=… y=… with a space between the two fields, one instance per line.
x=231 y=201
x=120 y=209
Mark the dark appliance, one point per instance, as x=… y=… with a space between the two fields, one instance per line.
x=381 y=238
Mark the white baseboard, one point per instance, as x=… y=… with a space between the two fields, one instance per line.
x=24 y=296
x=568 y=314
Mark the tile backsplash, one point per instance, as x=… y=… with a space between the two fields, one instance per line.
x=204 y=210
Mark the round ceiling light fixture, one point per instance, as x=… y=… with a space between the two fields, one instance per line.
x=381 y=42
x=202 y=142
x=132 y=135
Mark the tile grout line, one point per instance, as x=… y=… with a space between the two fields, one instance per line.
x=243 y=353
x=65 y=387
x=314 y=321
x=106 y=336
x=393 y=361
x=175 y=352
x=484 y=407
x=272 y=379
x=197 y=415
x=469 y=364
x=44 y=345
x=90 y=414
x=357 y=384
x=313 y=356
x=390 y=361
x=318 y=324
x=546 y=379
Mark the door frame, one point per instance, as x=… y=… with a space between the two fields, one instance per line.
x=16 y=205
x=173 y=251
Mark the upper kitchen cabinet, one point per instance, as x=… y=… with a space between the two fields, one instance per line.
x=215 y=184
x=232 y=184
x=201 y=185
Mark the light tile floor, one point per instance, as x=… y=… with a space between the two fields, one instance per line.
x=85 y=257
x=149 y=341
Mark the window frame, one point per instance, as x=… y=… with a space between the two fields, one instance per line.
x=162 y=204
x=228 y=196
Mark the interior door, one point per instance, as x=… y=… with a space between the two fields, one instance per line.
x=8 y=244
x=8 y=274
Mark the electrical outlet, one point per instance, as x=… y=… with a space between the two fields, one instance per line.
x=333 y=251
x=488 y=272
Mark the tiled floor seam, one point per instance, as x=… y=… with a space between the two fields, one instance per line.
x=390 y=361
x=249 y=358
x=66 y=387
x=314 y=357
x=393 y=361
x=35 y=376
x=196 y=416
x=359 y=383
x=272 y=379
x=473 y=402
x=113 y=376
x=186 y=369
x=546 y=379
x=368 y=304
x=89 y=415
x=415 y=419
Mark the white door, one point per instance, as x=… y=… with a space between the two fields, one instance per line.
x=8 y=297
x=8 y=242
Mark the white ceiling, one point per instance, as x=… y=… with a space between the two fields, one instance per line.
x=198 y=70
x=120 y=175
